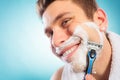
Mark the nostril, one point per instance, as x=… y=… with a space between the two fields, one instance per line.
x=62 y=42
x=58 y=43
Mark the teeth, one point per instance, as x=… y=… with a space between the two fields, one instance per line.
x=68 y=52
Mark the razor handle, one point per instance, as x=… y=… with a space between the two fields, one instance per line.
x=91 y=58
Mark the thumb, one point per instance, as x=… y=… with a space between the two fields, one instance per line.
x=89 y=77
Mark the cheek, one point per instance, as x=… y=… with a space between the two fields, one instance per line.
x=72 y=28
x=92 y=33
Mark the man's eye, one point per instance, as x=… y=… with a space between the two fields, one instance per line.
x=49 y=33
x=65 y=22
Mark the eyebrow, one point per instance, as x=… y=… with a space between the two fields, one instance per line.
x=60 y=16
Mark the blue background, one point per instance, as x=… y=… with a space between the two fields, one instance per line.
x=24 y=50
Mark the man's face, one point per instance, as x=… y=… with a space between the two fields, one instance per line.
x=60 y=20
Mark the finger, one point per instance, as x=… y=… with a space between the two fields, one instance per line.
x=89 y=77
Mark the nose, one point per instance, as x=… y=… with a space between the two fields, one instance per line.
x=59 y=36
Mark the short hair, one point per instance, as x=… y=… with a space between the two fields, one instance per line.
x=88 y=6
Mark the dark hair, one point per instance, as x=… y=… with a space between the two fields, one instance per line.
x=88 y=6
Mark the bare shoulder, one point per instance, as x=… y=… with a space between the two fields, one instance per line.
x=57 y=75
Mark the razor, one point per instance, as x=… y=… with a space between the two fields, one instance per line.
x=93 y=52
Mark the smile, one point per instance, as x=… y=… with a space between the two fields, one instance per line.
x=69 y=47
x=69 y=51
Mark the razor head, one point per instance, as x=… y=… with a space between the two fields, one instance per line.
x=94 y=46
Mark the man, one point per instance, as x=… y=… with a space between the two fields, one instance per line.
x=71 y=25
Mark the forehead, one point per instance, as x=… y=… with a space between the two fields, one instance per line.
x=58 y=7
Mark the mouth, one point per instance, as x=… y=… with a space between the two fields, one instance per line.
x=68 y=51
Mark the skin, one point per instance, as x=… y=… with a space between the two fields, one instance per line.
x=56 y=27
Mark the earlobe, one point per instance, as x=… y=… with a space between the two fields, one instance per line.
x=100 y=19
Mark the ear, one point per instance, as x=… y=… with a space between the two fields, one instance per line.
x=100 y=19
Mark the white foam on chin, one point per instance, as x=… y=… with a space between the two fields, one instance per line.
x=79 y=62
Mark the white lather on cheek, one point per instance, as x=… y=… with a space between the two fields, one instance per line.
x=81 y=33
x=94 y=26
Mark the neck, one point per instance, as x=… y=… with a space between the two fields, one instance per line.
x=103 y=62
